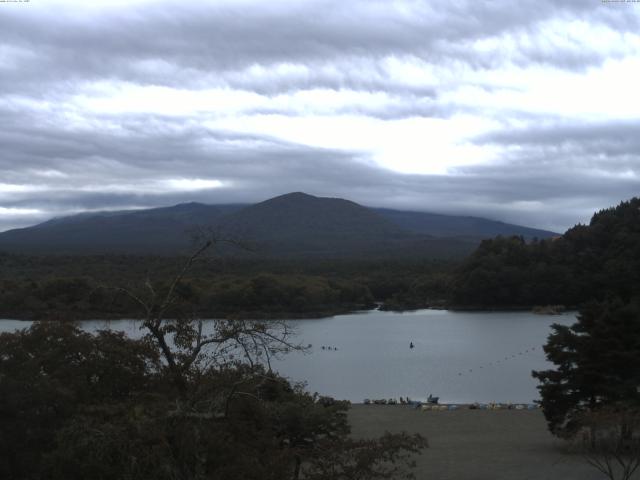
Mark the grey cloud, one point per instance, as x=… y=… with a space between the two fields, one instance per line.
x=397 y=108
x=614 y=137
x=177 y=45
x=259 y=167
x=549 y=179
x=596 y=149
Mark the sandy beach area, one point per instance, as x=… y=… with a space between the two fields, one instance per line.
x=477 y=444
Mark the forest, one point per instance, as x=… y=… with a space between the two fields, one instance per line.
x=83 y=287
x=594 y=261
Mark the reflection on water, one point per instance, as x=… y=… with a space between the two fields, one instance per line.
x=459 y=356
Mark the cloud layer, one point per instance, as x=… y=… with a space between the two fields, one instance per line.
x=525 y=112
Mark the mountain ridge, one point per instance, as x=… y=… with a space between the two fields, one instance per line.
x=294 y=224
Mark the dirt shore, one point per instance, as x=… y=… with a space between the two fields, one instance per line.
x=477 y=444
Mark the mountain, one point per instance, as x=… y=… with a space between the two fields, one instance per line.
x=157 y=230
x=439 y=225
x=295 y=224
x=298 y=223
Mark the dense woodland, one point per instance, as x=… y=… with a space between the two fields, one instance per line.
x=594 y=261
x=83 y=287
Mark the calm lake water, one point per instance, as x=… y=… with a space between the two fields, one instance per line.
x=460 y=356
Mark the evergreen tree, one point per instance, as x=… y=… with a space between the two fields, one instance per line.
x=588 y=262
x=597 y=364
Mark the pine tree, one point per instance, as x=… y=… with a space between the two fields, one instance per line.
x=597 y=364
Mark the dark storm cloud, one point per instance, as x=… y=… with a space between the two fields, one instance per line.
x=58 y=157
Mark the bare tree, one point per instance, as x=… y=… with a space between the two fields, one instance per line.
x=610 y=441
x=186 y=342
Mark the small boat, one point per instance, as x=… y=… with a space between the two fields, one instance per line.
x=433 y=400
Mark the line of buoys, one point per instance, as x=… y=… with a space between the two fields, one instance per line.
x=480 y=406
x=508 y=357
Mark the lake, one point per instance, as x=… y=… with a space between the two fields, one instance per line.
x=462 y=357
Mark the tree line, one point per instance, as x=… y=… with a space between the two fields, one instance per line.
x=594 y=261
x=82 y=287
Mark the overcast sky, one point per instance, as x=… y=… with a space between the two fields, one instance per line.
x=527 y=111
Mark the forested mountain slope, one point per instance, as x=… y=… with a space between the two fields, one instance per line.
x=588 y=262
x=291 y=225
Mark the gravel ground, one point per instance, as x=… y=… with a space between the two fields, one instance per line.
x=478 y=444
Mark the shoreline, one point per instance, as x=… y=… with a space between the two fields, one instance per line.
x=267 y=316
x=446 y=406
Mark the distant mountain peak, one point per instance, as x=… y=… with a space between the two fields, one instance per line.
x=295 y=223
x=302 y=199
x=293 y=197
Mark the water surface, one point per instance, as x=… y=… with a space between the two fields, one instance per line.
x=460 y=356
